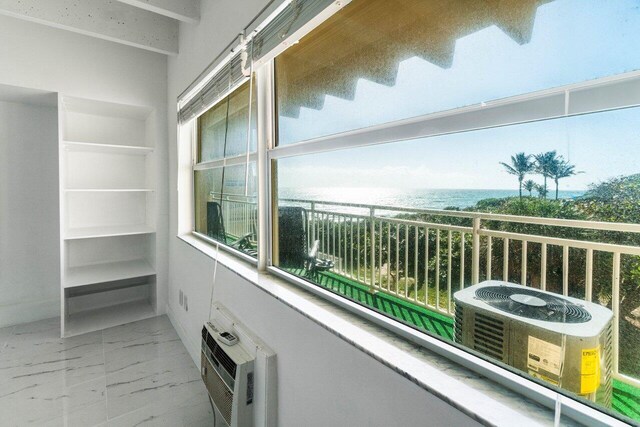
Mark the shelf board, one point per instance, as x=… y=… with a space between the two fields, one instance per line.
x=107 y=317
x=102 y=108
x=109 y=190
x=120 y=230
x=107 y=148
x=109 y=272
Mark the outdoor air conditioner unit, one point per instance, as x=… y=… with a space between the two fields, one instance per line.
x=227 y=371
x=562 y=340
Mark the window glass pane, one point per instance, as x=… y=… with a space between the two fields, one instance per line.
x=239 y=111
x=208 y=190
x=226 y=205
x=341 y=226
x=223 y=129
x=212 y=133
x=378 y=60
x=234 y=180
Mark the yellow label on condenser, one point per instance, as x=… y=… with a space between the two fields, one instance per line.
x=590 y=370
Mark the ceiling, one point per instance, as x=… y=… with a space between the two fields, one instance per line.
x=147 y=24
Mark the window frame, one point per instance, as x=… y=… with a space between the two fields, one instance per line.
x=268 y=153
x=223 y=162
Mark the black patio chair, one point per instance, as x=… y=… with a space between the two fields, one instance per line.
x=294 y=251
x=215 y=230
x=215 y=222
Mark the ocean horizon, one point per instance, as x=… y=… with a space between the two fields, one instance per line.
x=410 y=198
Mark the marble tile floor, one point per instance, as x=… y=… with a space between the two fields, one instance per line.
x=138 y=374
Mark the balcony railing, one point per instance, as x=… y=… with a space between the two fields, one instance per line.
x=240 y=215
x=423 y=256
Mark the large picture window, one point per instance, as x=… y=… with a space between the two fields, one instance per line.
x=511 y=230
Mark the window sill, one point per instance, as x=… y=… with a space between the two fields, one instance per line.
x=480 y=398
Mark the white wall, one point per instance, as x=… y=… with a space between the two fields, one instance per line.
x=29 y=255
x=35 y=56
x=322 y=380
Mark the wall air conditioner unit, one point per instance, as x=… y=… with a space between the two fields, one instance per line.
x=227 y=371
x=562 y=340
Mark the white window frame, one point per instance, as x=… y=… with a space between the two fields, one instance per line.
x=249 y=157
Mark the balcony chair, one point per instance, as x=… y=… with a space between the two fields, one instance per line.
x=215 y=230
x=293 y=247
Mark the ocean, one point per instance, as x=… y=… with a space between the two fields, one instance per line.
x=409 y=198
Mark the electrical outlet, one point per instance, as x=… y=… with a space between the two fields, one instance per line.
x=186 y=304
x=181 y=297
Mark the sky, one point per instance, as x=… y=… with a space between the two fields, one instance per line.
x=572 y=41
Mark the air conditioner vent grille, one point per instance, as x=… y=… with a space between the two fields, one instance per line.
x=607 y=392
x=488 y=337
x=211 y=343
x=532 y=304
x=220 y=355
x=221 y=396
x=458 y=323
x=224 y=359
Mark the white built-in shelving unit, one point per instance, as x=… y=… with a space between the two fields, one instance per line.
x=107 y=214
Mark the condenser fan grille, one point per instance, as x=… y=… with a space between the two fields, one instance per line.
x=532 y=304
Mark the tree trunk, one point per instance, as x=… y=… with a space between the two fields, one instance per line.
x=520 y=188
x=556 y=189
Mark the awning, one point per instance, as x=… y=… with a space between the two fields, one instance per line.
x=369 y=38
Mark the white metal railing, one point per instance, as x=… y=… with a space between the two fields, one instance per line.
x=423 y=255
x=240 y=216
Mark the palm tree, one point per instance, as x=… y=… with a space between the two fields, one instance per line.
x=521 y=164
x=529 y=185
x=543 y=165
x=542 y=192
x=561 y=169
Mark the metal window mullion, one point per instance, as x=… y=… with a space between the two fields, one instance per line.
x=265 y=120
x=541 y=105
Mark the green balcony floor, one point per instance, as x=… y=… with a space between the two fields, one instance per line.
x=626 y=398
